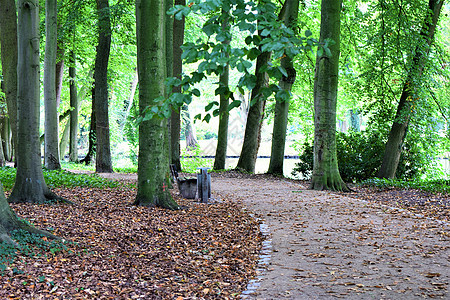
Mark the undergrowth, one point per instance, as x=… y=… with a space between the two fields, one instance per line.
x=432 y=186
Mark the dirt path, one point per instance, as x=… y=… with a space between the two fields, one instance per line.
x=326 y=246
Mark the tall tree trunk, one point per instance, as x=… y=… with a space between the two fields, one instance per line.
x=252 y=136
x=9 y=52
x=6 y=139
x=59 y=72
x=288 y=15
x=189 y=132
x=73 y=152
x=30 y=185
x=133 y=87
x=175 y=118
x=64 y=143
x=397 y=135
x=222 y=136
x=51 y=142
x=103 y=157
x=153 y=160
x=325 y=172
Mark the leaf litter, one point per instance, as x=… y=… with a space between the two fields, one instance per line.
x=120 y=251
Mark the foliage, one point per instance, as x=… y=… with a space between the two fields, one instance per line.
x=433 y=186
x=192 y=159
x=30 y=245
x=59 y=178
x=360 y=154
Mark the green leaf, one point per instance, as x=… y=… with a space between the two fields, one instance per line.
x=308 y=33
x=207 y=118
x=216 y=112
x=196 y=92
x=235 y=103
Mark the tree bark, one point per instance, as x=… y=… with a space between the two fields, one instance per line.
x=153 y=160
x=9 y=52
x=64 y=143
x=103 y=158
x=51 y=142
x=73 y=145
x=288 y=15
x=175 y=118
x=92 y=134
x=252 y=136
x=325 y=172
x=30 y=185
x=408 y=98
x=222 y=136
x=189 y=132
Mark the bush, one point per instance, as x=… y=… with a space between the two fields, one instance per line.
x=360 y=155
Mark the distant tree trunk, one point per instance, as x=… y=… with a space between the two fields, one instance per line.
x=325 y=172
x=189 y=132
x=175 y=118
x=64 y=143
x=288 y=15
x=51 y=152
x=252 y=136
x=30 y=185
x=133 y=87
x=59 y=72
x=9 y=52
x=92 y=134
x=408 y=98
x=73 y=152
x=6 y=139
x=153 y=161
x=355 y=121
x=103 y=157
x=222 y=136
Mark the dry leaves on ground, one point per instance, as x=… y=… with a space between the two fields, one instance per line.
x=123 y=251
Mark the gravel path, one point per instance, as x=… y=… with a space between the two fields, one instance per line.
x=326 y=246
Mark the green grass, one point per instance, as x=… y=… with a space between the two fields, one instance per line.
x=432 y=186
x=60 y=179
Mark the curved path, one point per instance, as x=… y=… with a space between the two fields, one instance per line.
x=325 y=246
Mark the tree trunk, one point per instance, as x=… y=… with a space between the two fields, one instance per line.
x=103 y=157
x=175 y=118
x=153 y=160
x=73 y=147
x=288 y=15
x=189 y=132
x=92 y=134
x=29 y=185
x=408 y=98
x=133 y=87
x=64 y=143
x=51 y=142
x=325 y=172
x=252 y=136
x=6 y=139
x=222 y=136
x=9 y=52
x=59 y=72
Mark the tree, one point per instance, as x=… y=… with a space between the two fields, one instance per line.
x=175 y=118
x=74 y=105
x=51 y=153
x=288 y=15
x=103 y=158
x=8 y=42
x=153 y=159
x=325 y=172
x=224 y=78
x=410 y=93
x=30 y=185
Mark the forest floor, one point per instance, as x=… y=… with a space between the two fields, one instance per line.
x=369 y=244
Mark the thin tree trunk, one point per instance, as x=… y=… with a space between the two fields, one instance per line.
x=103 y=157
x=9 y=52
x=133 y=87
x=288 y=15
x=59 y=72
x=408 y=98
x=6 y=139
x=222 y=136
x=175 y=118
x=30 y=185
x=92 y=134
x=73 y=152
x=64 y=143
x=189 y=132
x=51 y=153
x=325 y=172
x=153 y=160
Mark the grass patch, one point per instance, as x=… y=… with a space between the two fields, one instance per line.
x=432 y=186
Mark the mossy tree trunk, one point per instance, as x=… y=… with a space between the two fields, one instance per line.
x=326 y=172
x=408 y=98
x=288 y=15
x=103 y=162
x=51 y=139
x=73 y=144
x=9 y=53
x=153 y=162
x=29 y=185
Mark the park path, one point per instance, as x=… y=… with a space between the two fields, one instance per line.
x=326 y=246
